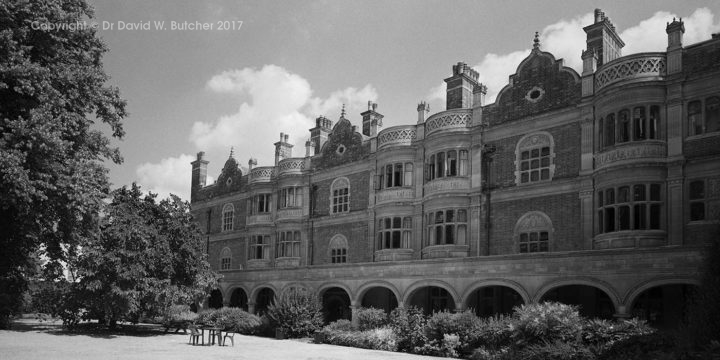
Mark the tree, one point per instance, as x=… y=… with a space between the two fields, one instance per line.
x=52 y=147
x=146 y=257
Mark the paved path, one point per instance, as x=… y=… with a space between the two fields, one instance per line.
x=29 y=340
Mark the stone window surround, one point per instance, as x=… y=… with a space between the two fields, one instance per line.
x=225 y=259
x=340 y=202
x=228 y=217
x=338 y=249
x=702 y=114
x=533 y=222
x=530 y=142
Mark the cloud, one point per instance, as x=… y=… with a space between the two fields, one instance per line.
x=565 y=39
x=649 y=34
x=170 y=176
x=272 y=100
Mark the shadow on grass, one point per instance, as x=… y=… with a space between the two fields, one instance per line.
x=91 y=329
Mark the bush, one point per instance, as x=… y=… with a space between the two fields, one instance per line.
x=600 y=335
x=464 y=326
x=408 y=324
x=483 y=353
x=339 y=325
x=370 y=318
x=230 y=319
x=650 y=346
x=297 y=312
x=546 y=322
x=383 y=338
x=493 y=333
x=555 y=350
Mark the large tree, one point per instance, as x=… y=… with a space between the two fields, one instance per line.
x=54 y=100
x=146 y=257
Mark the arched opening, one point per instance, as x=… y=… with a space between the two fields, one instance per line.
x=380 y=298
x=432 y=299
x=216 y=299
x=593 y=302
x=336 y=305
x=239 y=299
x=264 y=298
x=494 y=300
x=664 y=307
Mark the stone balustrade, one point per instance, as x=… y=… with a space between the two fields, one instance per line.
x=643 y=65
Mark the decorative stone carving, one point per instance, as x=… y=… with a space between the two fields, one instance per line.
x=289 y=214
x=533 y=221
x=394 y=195
x=448 y=119
x=396 y=136
x=259 y=219
x=538 y=140
x=291 y=166
x=641 y=65
x=264 y=173
x=630 y=152
x=444 y=184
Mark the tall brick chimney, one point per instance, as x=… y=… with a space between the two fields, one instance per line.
x=283 y=149
x=460 y=87
x=603 y=39
x=372 y=120
x=319 y=134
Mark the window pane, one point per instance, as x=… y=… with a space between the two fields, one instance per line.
x=655 y=192
x=638 y=192
x=525 y=165
x=450 y=216
x=534 y=176
x=545 y=151
x=610 y=130
x=398 y=175
x=623 y=218
x=397 y=223
x=462 y=216
x=712 y=114
x=523 y=247
x=544 y=174
x=623 y=194
x=694 y=117
x=654 y=122
x=697 y=189
x=525 y=155
x=524 y=177
x=449 y=234
x=639 y=123
x=600 y=198
x=545 y=162
x=534 y=164
x=655 y=216
x=640 y=217
x=461 y=234
x=523 y=237
x=600 y=222
x=535 y=153
x=610 y=196
x=697 y=211
x=609 y=219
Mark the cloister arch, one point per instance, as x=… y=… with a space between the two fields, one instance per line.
x=378 y=294
x=492 y=297
x=239 y=298
x=336 y=304
x=215 y=301
x=594 y=297
x=662 y=302
x=263 y=295
x=431 y=296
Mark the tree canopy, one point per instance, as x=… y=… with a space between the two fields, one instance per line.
x=55 y=100
x=146 y=257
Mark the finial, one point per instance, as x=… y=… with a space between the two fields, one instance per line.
x=342 y=113
x=536 y=41
x=232 y=151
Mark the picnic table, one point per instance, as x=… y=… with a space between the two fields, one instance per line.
x=213 y=331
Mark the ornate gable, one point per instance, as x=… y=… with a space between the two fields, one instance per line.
x=230 y=176
x=344 y=145
x=541 y=83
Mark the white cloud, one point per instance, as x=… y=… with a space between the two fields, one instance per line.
x=649 y=34
x=279 y=101
x=170 y=176
x=565 y=39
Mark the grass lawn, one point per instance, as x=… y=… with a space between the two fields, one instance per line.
x=30 y=339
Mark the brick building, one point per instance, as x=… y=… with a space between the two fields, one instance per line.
x=596 y=189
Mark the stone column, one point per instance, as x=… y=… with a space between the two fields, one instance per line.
x=251 y=307
x=354 y=307
x=586 y=218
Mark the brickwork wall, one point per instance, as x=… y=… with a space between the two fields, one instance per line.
x=359 y=188
x=567 y=156
x=698 y=60
x=561 y=89
x=237 y=248
x=354 y=232
x=563 y=210
x=706 y=146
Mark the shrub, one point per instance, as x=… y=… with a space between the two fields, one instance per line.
x=493 y=333
x=408 y=324
x=463 y=325
x=649 y=346
x=600 y=335
x=339 y=325
x=230 y=319
x=383 y=338
x=297 y=312
x=546 y=322
x=483 y=353
x=555 y=350
x=370 y=318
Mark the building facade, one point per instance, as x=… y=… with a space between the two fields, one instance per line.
x=596 y=189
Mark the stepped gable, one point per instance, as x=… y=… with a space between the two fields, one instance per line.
x=541 y=83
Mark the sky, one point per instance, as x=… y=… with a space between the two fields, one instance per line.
x=214 y=75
